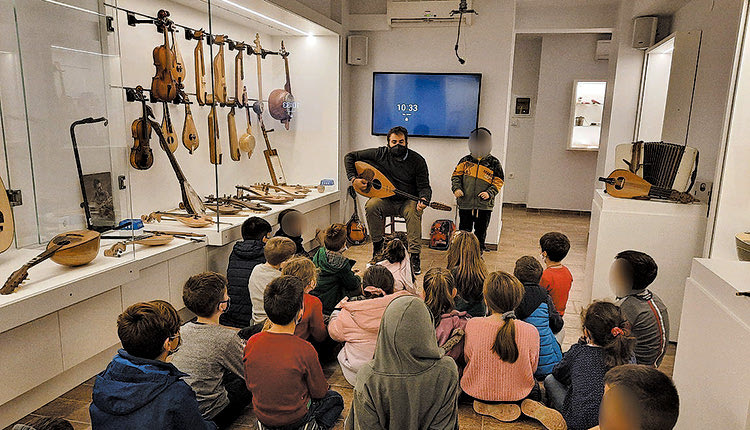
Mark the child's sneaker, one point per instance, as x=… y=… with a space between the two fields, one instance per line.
x=505 y=412
x=550 y=418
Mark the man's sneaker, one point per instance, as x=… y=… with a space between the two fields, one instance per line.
x=416 y=265
x=505 y=412
x=550 y=418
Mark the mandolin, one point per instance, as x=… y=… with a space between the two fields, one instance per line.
x=281 y=101
x=200 y=68
x=168 y=129
x=141 y=155
x=7 y=227
x=117 y=249
x=356 y=232
x=220 y=81
x=625 y=184
x=273 y=162
x=163 y=85
x=193 y=221
x=189 y=132
x=234 y=144
x=190 y=199
x=379 y=186
x=178 y=72
x=273 y=199
x=214 y=147
x=74 y=248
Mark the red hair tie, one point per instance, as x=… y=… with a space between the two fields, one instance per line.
x=616 y=331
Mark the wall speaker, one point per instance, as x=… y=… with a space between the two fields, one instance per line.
x=356 y=50
x=644 y=31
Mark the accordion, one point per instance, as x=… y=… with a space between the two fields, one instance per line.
x=661 y=164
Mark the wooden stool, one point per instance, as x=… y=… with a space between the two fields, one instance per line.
x=390 y=223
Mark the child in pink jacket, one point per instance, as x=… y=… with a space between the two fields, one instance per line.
x=397 y=261
x=358 y=321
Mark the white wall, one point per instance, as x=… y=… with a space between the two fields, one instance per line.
x=558 y=17
x=487 y=46
x=526 y=59
x=562 y=179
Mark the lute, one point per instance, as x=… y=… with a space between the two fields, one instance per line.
x=379 y=186
x=627 y=185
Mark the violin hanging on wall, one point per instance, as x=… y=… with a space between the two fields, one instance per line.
x=163 y=85
x=141 y=155
x=281 y=101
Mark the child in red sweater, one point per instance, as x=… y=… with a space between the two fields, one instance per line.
x=282 y=370
x=556 y=278
x=312 y=326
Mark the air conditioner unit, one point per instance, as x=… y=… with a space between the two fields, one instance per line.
x=425 y=13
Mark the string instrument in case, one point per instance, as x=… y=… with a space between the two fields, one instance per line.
x=74 y=248
x=627 y=185
x=163 y=84
x=272 y=156
x=7 y=227
x=379 y=186
x=281 y=101
x=356 y=232
x=117 y=249
x=141 y=155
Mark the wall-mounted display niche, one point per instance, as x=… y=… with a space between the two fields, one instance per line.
x=242 y=94
x=586 y=113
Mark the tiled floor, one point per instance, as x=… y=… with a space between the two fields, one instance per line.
x=520 y=236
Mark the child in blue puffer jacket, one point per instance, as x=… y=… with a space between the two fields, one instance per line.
x=537 y=309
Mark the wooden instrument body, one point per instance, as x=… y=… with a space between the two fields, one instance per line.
x=163 y=84
x=234 y=144
x=625 y=184
x=200 y=69
x=240 y=92
x=7 y=226
x=247 y=140
x=141 y=154
x=74 y=248
x=168 y=130
x=178 y=73
x=249 y=205
x=273 y=162
x=189 y=132
x=214 y=148
x=356 y=232
x=220 y=80
x=281 y=101
x=193 y=221
x=379 y=186
x=224 y=208
x=274 y=199
x=117 y=249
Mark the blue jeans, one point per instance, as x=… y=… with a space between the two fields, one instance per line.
x=556 y=392
x=327 y=410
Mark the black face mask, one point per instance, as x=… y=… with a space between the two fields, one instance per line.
x=398 y=151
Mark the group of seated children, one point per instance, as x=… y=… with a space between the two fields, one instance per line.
x=490 y=338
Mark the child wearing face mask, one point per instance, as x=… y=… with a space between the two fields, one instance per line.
x=140 y=389
x=476 y=182
x=211 y=354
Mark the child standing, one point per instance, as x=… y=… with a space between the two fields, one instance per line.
x=276 y=251
x=211 y=354
x=450 y=324
x=246 y=254
x=140 y=389
x=336 y=279
x=476 y=182
x=282 y=371
x=638 y=397
x=501 y=356
x=630 y=275
x=536 y=308
x=468 y=269
x=311 y=326
x=556 y=278
x=397 y=261
x=576 y=385
x=410 y=384
x=358 y=322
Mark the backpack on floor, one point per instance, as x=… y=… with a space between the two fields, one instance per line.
x=440 y=234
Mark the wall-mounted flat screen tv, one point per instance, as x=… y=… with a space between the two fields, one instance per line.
x=427 y=104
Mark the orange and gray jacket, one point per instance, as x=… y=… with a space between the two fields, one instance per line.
x=474 y=176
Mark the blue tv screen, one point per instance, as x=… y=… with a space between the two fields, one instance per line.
x=427 y=104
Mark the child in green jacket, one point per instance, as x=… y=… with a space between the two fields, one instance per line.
x=336 y=279
x=476 y=181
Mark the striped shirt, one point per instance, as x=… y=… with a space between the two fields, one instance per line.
x=649 y=322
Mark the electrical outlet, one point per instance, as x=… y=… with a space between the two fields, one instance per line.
x=702 y=190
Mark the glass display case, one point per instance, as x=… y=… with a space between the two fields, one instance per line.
x=586 y=113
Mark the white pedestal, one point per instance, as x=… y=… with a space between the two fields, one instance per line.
x=710 y=368
x=669 y=232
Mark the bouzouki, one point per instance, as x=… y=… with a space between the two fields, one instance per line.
x=356 y=232
x=118 y=248
x=220 y=80
x=74 y=248
x=189 y=132
x=272 y=156
x=281 y=101
x=200 y=68
x=190 y=199
x=7 y=226
x=168 y=129
x=379 y=186
x=234 y=144
x=627 y=185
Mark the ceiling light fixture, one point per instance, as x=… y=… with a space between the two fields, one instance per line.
x=81 y=51
x=267 y=18
x=80 y=9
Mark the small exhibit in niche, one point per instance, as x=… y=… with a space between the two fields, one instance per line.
x=586 y=113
